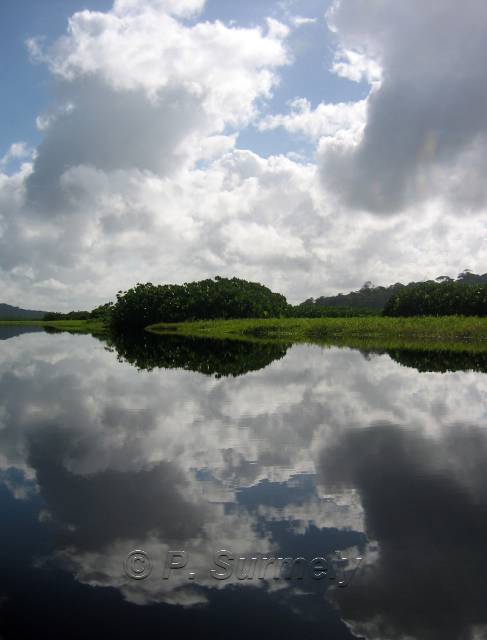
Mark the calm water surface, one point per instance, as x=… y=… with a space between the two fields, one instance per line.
x=264 y=451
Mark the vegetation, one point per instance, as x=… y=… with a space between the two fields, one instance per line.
x=310 y=310
x=373 y=297
x=244 y=308
x=72 y=315
x=221 y=298
x=317 y=329
x=439 y=299
x=234 y=347
x=95 y=327
x=101 y=313
x=146 y=304
x=368 y=297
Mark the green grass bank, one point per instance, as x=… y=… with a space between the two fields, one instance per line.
x=423 y=333
x=417 y=332
x=72 y=326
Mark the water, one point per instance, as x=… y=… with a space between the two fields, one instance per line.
x=263 y=451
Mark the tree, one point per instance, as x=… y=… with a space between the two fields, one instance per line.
x=439 y=299
x=147 y=304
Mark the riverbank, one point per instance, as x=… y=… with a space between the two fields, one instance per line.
x=72 y=326
x=421 y=333
x=418 y=332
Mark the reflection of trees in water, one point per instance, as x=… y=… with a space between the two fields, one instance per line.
x=441 y=361
x=204 y=355
x=433 y=360
x=236 y=357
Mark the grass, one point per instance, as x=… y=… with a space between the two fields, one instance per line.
x=72 y=326
x=457 y=333
x=363 y=332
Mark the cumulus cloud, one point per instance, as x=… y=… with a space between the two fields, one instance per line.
x=139 y=176
x=143 y=90
x=183 y=8
x=356 y=66
x=338 y=121
x=146 y=48
x=426 y=122
x=142 y=96
x=17 y=151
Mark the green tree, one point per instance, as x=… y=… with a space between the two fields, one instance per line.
x=223 y=298
x=439 y=299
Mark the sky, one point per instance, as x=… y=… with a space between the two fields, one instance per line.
x=310 y=145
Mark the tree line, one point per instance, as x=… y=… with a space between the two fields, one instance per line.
x=439 y=299
x=370 y=296
x=228 y=298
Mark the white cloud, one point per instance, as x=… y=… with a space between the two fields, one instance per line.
x=258 y=243
x=356 y=66
x=426 y=121
x=300 y=21
x=17 y=151
x=226 y=69
x=343 y=120
x=182 y=8
x=138 y=176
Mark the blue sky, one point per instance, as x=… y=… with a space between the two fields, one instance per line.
x=30 y=84
x=308 y=146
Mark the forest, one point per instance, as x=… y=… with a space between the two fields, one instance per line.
x=232 y=298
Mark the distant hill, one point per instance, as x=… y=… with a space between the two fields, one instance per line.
x=372 y=297
x=7 y=312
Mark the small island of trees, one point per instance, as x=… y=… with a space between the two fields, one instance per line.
x=235 y=298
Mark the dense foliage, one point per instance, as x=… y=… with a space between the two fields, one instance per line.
x=225 y=298
x=310 y=310
x=103 y=312
x=147 y=304
x=71 y=315
x=373 y=297
x=100 y=313
x=368 y=297
x=439 y=299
